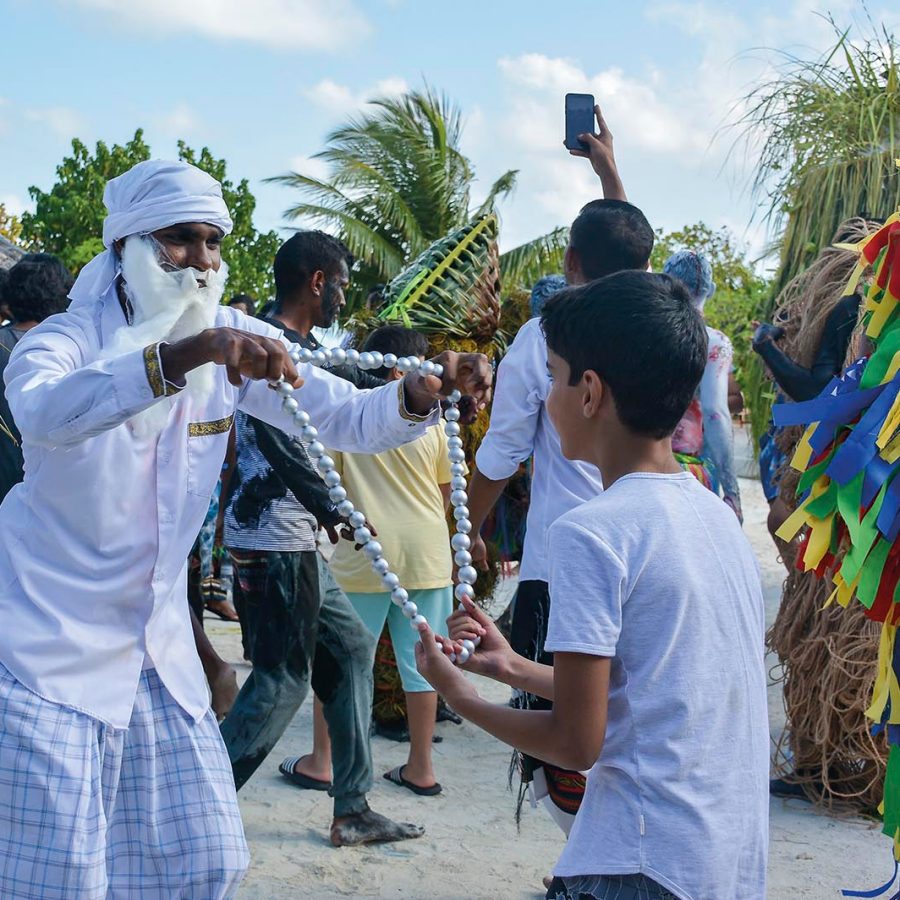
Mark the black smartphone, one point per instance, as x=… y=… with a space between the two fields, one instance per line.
x=579 y=119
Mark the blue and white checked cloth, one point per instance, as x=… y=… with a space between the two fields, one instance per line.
x=89 y=811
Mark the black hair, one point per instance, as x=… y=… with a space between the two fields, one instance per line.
x=304 y=253
x=37 y=287
x=611 y=236
x=397 y=340
x=643 y=336
x=246 y=300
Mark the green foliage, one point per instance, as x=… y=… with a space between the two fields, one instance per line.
x=828 y=130
x=739 y=288
x=10 y=225
x=398 y=181
x=68 y=219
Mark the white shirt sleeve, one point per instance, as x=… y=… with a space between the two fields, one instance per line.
x=59 y=400
x=587 y=591
x=518 y=397
x=347 y=418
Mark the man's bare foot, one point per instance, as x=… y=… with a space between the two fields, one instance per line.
x=308 y=765
x=223 y=609
x=368 y=827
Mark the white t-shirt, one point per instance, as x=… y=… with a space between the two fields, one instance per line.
x=657 y=574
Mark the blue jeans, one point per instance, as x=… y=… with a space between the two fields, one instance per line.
x=302 y=632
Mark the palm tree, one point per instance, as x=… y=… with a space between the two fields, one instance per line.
x=398 y=182
x=831 y=137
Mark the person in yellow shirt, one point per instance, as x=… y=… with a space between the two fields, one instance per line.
x=404 y=493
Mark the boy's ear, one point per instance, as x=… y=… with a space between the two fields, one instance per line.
x=594 y=393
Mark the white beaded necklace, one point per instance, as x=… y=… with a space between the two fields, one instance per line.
x=460 y=542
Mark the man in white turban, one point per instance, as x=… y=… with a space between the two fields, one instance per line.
x=113 y=777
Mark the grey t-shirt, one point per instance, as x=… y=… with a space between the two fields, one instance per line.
x=657 y=574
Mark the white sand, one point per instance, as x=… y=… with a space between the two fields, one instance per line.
x=471 y=847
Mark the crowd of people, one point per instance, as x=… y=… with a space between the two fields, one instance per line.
x=151 y=475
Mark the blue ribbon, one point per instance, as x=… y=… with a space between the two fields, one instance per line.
x=878 y=891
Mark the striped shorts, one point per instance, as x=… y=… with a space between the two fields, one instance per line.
x=90 y=811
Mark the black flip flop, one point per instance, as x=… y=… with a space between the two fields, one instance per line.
x=395 y=776
x=298 y=779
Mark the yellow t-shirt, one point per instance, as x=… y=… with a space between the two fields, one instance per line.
x=399 y=492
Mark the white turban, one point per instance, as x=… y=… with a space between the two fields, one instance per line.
x=151 y=195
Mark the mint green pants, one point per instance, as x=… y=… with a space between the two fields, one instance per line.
x=435 y=604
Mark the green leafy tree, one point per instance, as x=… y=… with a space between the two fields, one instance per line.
x=739 y=288
x=10 y=225
x=68 y=219
x=398 y=181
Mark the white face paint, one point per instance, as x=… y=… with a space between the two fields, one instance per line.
x=168 y=305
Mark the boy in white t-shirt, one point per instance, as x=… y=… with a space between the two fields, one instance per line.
x=658 y=683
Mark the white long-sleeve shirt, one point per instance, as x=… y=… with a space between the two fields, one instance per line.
x=93 y=544
x=520 y=428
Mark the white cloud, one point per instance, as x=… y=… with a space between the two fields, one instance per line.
x=180 y=122
x=339 y=99
x=60 y=119
x=328 y=25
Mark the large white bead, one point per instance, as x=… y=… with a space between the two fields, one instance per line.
x=309 y=433
x=305 y=355
x=463 y=526
x=438 y=370
x=358 y=519
x=451 y=414
x=464 y=590
x=326 y=463
x=399 y=596
x=373 y=549
x=461 y=512
x=463 y=656
x=389 y=361
x=381 y=566
x=454 y=396
x=427 y=367
x=345 y=508
x=414 y=363
x=403 y=364
x=284 y=389
x=457 y=455
x=365 y=361
x=315 y=449
x=409 y=609
x=377 y=359
x=301 y=418
x=338 y=357
x=457 y=468
x=294 y=353
x=332 y=478
x=459 y=498
x=290 y=405
x=468 y=574
x=319 y=358
x=352 y=357
x=362 y=535
x=337 y=494
x=468 y=646
x=460 y=542
x=327 y=353
x=458 y=483
x=390 y=580
x=418 y=622
x=462 y=558
x=454 y=442
x=451 y=429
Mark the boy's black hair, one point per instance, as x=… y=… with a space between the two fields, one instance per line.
x=246 y=300
x=37 y=287
x=397 y=340
x=642 y=335
x=611 y=236
x=304 y=253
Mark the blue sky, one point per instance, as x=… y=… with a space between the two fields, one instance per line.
x=261 y=83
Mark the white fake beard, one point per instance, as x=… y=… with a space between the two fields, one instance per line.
x=167 y=306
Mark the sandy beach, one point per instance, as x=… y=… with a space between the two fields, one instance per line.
x=472 y=847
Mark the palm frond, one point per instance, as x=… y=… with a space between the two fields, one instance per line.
x=522 y=266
